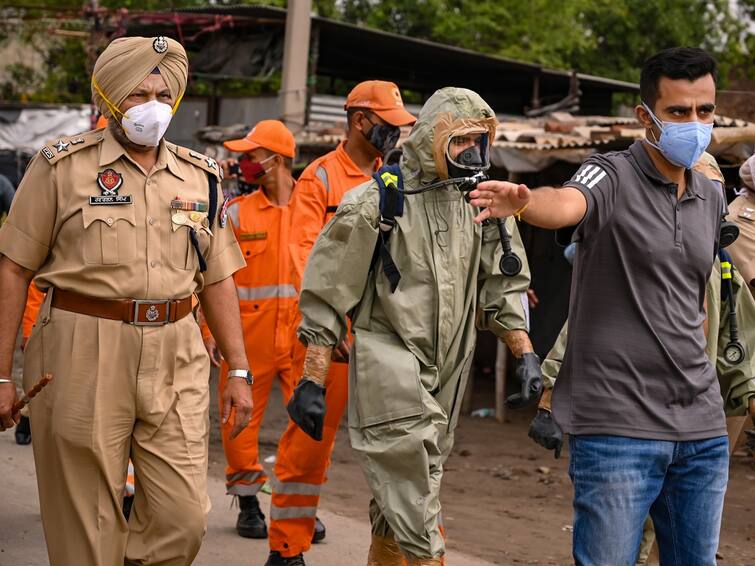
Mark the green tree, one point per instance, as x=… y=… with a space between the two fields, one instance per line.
x=603 y=37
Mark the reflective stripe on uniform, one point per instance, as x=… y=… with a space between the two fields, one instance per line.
x=267 y=292
x=233 y=212
x=243 y=489
x=294 y=488
x=242 y=476
x=130 y=479
x=279 y=513
x=725 y=270
x=322 y=174
x=388 y=177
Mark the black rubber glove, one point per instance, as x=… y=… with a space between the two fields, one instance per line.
x=545 y=431
x=530 y=379
x=307 y=407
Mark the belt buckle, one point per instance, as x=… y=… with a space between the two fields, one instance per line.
x=152 y=313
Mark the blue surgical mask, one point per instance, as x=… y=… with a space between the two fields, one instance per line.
x=682 y=143
x=569 y=252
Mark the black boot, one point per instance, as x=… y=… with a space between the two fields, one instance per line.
x=128 y=503
x=23 y=431
x=251 y=521
x=319 y=534
x=275 y=559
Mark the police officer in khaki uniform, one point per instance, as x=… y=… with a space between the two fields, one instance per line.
x=121 y=229
x=742 y=212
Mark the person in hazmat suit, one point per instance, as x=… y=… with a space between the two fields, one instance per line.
x=414 y=278
x=736 y=376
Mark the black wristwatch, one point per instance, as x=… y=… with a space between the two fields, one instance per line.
x=244 y=374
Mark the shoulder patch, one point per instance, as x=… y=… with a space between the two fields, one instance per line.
x=197 y=159
x=57 y=149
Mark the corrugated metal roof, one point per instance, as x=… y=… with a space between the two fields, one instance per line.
x=554 y=132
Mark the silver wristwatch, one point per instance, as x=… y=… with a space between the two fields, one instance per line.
x=244 y=374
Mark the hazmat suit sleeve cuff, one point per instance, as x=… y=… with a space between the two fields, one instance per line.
x=22 y=248
x=738 y=398
x=327 y=331
x=513 y=314
x=550 y=369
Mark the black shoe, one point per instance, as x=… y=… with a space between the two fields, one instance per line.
x=275 y=559
x=319 y=534
x=23 y=431
x=251 y=521
x=128 y=503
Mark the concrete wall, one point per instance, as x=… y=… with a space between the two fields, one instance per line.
x=248 y=110
x=193 y=114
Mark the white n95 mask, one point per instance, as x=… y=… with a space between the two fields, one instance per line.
x=146 y=123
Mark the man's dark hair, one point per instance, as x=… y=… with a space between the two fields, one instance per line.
x=689 y=63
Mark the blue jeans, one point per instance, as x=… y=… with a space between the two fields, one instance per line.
x=618 y=480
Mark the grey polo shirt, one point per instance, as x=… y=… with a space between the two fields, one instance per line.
x=635 y=362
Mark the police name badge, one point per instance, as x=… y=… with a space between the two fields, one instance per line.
x=249 y=236
x=109 y=182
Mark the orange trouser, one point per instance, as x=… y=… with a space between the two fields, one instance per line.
x=301 y=466
x=244 y=473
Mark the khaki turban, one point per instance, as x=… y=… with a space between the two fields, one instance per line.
x=127 y=61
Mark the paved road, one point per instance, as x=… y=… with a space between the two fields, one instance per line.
x=22 y=543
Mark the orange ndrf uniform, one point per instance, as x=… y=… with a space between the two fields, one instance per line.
x=302 y=462
x=268 y=299
x=34 y=300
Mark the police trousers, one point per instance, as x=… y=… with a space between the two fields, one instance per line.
x=119 y=391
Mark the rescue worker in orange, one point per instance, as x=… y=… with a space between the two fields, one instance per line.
x=261 y=221
x=375 y=112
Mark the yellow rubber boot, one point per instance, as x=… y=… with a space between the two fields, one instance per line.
x=424 y=561
x=384 y=551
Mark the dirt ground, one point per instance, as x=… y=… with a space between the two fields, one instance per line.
x=505 y=500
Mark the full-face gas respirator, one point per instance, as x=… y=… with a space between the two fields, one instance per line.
x=467 y=159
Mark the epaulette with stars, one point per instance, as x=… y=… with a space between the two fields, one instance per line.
x=57 y=149
x=203 y=161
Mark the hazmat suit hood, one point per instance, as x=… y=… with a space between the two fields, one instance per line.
x=448 y=113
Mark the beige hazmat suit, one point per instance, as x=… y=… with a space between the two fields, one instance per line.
x=413 y=347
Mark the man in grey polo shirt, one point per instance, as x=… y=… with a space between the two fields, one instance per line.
x=636 y=392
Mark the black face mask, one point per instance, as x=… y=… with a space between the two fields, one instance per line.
x=383 y=138
x=471 y=159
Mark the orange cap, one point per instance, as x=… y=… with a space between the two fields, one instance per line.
x=383 y=98
x=272 y=135
x=101 y=122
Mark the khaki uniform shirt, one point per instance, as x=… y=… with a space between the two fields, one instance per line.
x=742 y=212
x=64 y=224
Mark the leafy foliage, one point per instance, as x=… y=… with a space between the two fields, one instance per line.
x=608 y=38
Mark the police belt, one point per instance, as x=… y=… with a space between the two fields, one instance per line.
x=132 y=311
